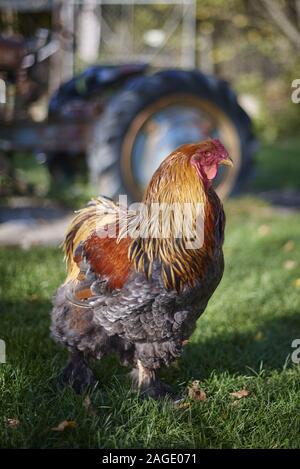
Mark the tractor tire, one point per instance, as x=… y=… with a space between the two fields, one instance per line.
x=109 y=156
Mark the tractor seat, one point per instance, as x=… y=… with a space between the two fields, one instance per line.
x=108 y=74
x=91 y=82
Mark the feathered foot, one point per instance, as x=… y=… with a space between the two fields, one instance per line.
x=147 y=383
x=77 y=374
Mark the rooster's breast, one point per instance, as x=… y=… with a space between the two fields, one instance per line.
x=144 y=311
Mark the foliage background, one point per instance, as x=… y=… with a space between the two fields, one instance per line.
x=253 y=44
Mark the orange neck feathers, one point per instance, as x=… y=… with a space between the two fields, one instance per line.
x=176 y=183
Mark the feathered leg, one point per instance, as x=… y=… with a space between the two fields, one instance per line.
x=75 y=328
x=77 y=373
x=146 y=381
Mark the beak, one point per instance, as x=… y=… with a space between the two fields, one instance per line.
x=227 y=162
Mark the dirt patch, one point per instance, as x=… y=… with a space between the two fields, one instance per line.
x=26 y=224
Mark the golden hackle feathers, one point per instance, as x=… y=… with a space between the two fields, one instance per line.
x=176 y=184
x=175 y=181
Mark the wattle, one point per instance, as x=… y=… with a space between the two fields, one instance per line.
x=211 y=171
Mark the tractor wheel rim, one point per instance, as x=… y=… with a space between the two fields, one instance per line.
x=168 y=123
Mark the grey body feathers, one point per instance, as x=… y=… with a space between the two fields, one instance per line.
x=141 y=321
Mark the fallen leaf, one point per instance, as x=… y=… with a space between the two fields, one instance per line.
x=289 y=264
x=240 y=394
x=87 y=404
x=297 y=283
x=258 y=336
x=195 y=392
x=236 y=402
x=288 y=246
x=12 y=423
x=183 y=405
x=263 y=230
x=64 y=425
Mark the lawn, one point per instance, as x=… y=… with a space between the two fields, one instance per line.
x=243 y=341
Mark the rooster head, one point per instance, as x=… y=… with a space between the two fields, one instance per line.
x=187 y=172
x=206 y=158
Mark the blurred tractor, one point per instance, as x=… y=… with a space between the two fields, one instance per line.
x=119 y=122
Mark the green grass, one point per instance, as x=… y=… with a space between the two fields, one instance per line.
x=278 y=166
x=243 y=340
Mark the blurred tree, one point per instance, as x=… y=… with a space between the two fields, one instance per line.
x=254 y=45
x=286 y=16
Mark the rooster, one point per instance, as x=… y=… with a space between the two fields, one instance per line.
x=131 y=290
